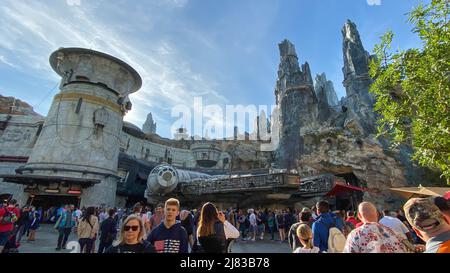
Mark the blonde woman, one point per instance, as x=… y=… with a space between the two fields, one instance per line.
x=131 y=238
x=305 y=235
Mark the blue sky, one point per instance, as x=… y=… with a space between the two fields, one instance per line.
x=224 y=51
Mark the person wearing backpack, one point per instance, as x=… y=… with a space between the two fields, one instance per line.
x=23 y=223
x=241 y=224
x=326 y=224
x=108 y=231
x=66 y=221
x=9 y=214
x=87 y=229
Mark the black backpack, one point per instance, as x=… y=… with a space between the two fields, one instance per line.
x=258 y=220
x=246 y=222
x=197 y=248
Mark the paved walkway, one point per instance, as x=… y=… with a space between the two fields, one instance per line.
x=46 y=239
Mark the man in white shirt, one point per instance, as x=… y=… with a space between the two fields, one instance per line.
x=103 y=215
x=396 y=225
x=253 y=225
x=78 y=213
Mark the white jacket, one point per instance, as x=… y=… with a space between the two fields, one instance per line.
x=230 y=231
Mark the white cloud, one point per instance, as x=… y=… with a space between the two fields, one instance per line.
x=177 y=3
x=73 y=2
x=5 y=61
x=31 y=31
x=374 y=2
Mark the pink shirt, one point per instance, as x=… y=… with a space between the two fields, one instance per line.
x=156 y=219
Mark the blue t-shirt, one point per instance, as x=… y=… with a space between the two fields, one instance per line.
x=169 y=240
x=321 y=229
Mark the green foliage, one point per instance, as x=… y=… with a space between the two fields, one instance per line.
x=412 y=88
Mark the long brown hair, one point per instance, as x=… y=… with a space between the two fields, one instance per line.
x=304 y=232
x=208 y=217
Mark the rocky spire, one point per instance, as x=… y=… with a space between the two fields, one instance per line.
x=356 y=58
x=329 y=92
x=357 y=82
x=288 y=66
x=326 y=97
x=289 y=73
x=149 y=126
x=297 y=102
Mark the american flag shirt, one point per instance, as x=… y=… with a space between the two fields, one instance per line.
x=169 y=240
x=167 y=246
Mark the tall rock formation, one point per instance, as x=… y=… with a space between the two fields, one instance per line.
x=322 y=82
x=297 y=101
x=358 y=103
x=326 y=96
x=149 y=126
x=319 y=135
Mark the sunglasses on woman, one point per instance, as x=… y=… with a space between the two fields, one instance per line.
x=133 y=228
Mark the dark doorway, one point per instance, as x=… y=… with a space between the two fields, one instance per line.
x=349 y=200
x=47 y=201
x=344 y=202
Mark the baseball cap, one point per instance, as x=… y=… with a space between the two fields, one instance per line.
x=423 y=214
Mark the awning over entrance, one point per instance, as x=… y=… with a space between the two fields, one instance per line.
x=410 y=192
x=340 y=187
x=447 y=195
x=32 y=179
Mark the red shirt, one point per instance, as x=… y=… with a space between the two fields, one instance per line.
x=8 y=227
x=352 y=220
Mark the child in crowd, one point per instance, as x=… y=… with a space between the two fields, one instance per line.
x=304 y=234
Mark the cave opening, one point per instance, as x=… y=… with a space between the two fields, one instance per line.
x=349 y=200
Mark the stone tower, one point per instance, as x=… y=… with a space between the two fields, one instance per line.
x=297 y=101
x=149 y=126
x=78 y=146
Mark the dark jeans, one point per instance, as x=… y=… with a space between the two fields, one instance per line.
x=243 y=229
x=104 y=245
x=20 y=232
x=86 y=242
x=63 y=236
x=27 y=228
x=272 y=232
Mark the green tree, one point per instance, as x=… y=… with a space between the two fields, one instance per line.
x=412 y=88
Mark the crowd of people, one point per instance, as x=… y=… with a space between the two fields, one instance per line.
x=423 y=224
x=15 y=223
